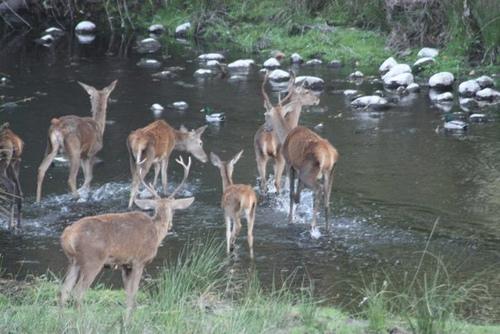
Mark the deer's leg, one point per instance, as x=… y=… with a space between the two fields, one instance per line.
x=250 y=215
x=328 y=183
x=14 y=175
x=156 y=166
x=228 y=233
x=132 y=287
x=73 y=149
x=291 y=177
x=296 y=196
x=164 y=176
x=236 y=229
x=316 y=201
x=46 y=162
x=69 y=283
x=261 y=168
x=88 y=273
x=279 y=166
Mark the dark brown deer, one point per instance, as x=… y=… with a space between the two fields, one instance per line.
x=236 y=200
x=153 y=144
x=266 y=143
x=127 y=240
x=79 y=138
x=11 y=149
x=309 y=158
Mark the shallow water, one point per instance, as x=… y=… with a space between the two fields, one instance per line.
x=396 y=175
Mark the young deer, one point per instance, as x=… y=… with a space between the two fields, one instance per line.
x=129 y=240
x=153 y=144
x=309 y=157
x=11 y=149
x=266 y=143
x=236 y=199
x=80 y=138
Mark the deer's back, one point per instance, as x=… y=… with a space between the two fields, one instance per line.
x=266 y=142
x=158 y=134
x=118 y=238
x=237 y=197
x=11 y=142
x=84 y=129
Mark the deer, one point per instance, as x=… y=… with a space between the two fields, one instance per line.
x=309 y=158
x=266 y=143
x=236 y=200
x=79 y=138
x=153 y=144
x=11 y=149
x=128 y=240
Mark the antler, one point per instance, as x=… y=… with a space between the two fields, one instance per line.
x=290 y=88
x=180 y=161
x=150 y=187
x=267 y=102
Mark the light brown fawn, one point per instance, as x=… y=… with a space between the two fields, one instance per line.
x=153 y=144
x=266 y=143
x=79 y=138
x=236 y=199
x=128 y=240
x=11 y=149
x=309 y=158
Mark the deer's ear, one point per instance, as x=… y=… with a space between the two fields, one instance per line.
x=89 y=89
x=214 y=158
x=236 y=157
x=200 y=130
x=110 y=88
x=146 y=204
x=183 y=203
x=183 y=129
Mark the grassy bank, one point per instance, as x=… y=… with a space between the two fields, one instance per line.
x=200 y=293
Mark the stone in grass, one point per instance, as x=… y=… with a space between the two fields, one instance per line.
x=387 y=65
x=485 y=81
x=441 y=80
x=182 y=29
x=468 y=88
x=335 y=64
x=428 y=52
x=488 y=94
x=156 y=29
x=423 y=62
x=85 y=27
x=271 y=63
x=313 y=62
x=295 y=58
x=356 y=75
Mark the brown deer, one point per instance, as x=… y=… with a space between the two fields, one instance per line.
x=11 y=149
x=153 y=144
x=128 y=240
x=309 y=158
x=80 y=138
x=266 y=144
x=236 y=199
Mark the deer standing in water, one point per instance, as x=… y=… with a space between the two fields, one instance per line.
x=153 y=144
x=128 y=240
x=266 y=143
x=236 y=199
x=11 y=149
x=309 y=158
x=79 y=138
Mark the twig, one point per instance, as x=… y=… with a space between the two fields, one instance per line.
x=16 y=14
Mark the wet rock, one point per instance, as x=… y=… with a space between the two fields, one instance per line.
x=402 y=79
x=468 y=88
x=182 y=30
x=56 y=32
x=279 y=75
x=441 y=80
x=211 y=56
x=271 y=63
x=387 y=65
x=85 y=27
x=374 y=101
x=310 y=82
x=413 y=87
x=488 y=94
x=335 y=64
x=423 y=62
x=356 y=75
x=351 y=93
x=313 y=62
x=455 y=125
x=212 y=63
x=181 y=105
x=241 y=64
x=163 y=75
x=295 y=58
x=175 y=68
x=156 y=29
x=396 y=70
x=478 y=118
x=468 y=102
x=85 y=38
x=203 y=73
x=378 y=92
x=148 y=45
x=401 y=90
x=149 y=63
x=428 y=52
x=444 y=97
x=45 y=40
x=485 y=81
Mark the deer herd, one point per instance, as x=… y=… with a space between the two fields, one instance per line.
x=130 y=240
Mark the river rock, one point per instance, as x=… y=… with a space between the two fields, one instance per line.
x=182 y=30
x=149 y=63
x=56 y=32
x=202 y=72
x=156 y=29
x=485 y=81
x=241 y=64
x=488 y=94
x=85 y=38
x=396 y=70
x=85 y=27
x=478 y=118
x=181 y=105
x=335 y=64
x=163 y=75
x=468 y=88
x=413 y=87
x=212 y=63
x=148 y=45
x=295 y=58
x=387 y=65
x=444 y=97
x=157 y=107
x=310 y=82
x=373 y=101
x=211 y=56
x=399 y=80
x=455 y=125
x=428 y=52
x=313 y=62
x=45 y=39
x=441 y=80
x=279 y=75
x=422 y=62
x=271 y=63
x=356 y=75
x=350 y=92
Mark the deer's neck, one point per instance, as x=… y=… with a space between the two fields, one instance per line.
x=280 y=125
x=226 y=178
x=180 y=140
x=99 y=114
x=293 y=109
x=161 y=222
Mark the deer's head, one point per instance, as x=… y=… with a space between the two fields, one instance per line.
x=226 y=167
x=193 y=143
x=98 y=98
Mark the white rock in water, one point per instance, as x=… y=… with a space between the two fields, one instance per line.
x=156 y=28
x=181 y=30
x=374 y=101
x=203 y=72
x=488 y=94
x=455 y=125
x=85 y=26
x=271 y=63
x=212 y=63
x=444 y=97
x=157 y=107
x=310 y=82
x=47 y=38
x=441 y=80
x=402 y=79
x=428 y=52
x=423 y=62
x=314 y=62
x=85 y=38
x=350 y=92
x=356 y=75
x=295 y=58
x=478 y=118
x=279 y=75
x=413 y=87
x=315 y=233
x=148 y=45
x=387 y=65
x=54 y=31
x=182 y=105
x=485 y=81
x=211 y=56
x=241 y=63
x=396 y=70
x=468 y=88
x=149 y=63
